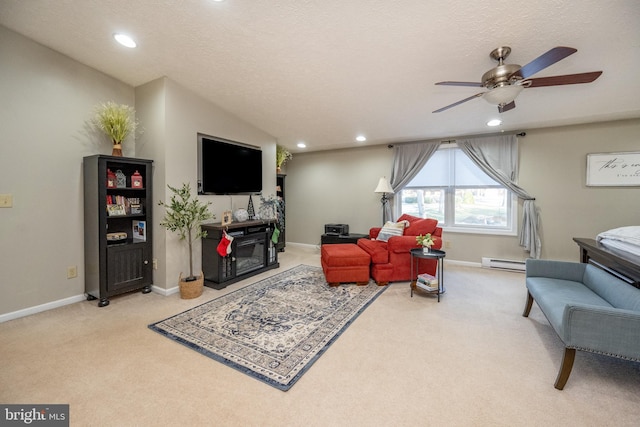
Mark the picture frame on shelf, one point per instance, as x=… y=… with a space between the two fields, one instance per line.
x=227 y=218
x=139 y=230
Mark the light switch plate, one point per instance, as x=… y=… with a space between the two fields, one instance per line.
x=6 y=201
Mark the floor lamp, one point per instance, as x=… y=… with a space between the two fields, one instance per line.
x=384 y=188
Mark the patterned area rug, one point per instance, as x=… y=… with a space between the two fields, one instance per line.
x=275 y=329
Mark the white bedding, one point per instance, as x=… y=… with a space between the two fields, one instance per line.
x=624 y=238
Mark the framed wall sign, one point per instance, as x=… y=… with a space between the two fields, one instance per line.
x=613 y=169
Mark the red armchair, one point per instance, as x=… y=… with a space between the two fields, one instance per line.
x=391 y=260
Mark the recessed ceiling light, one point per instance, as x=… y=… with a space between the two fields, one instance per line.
x=361 y=138
x=125 y=40
x=494 y=122
x=300 y=144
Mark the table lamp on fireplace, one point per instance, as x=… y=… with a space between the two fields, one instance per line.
x=384 y=188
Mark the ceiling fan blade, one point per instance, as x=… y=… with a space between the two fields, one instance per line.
x=459 y=102
x=567 y=79
x=472 y=84
x=545 y=60
x=506 y=107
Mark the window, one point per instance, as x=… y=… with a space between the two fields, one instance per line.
x=452 y=189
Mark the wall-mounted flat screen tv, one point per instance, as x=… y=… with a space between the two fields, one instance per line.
x=228 y=167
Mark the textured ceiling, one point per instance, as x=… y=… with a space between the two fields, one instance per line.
x=323 y=72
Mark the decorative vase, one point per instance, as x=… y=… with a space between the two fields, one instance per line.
x=241 y=215
x=426 y=249
x=117 y=150
x=278 y=169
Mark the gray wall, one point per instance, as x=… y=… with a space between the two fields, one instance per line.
x=174 y=116
x=553 y=169
x=337 y=187
x=47 y=100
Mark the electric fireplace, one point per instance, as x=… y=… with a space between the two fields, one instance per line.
x=249 y=253
x=252 y=252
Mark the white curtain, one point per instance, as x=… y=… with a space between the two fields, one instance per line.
x=408 y=160
x=497 y=156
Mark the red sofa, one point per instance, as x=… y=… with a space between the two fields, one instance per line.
x=391 y=260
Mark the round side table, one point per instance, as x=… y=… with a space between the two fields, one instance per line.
x=438 y=255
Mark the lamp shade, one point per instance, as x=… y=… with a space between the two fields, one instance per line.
x=383 y=186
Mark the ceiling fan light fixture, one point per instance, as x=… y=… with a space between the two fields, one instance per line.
x=505 y=81
x=503 y=94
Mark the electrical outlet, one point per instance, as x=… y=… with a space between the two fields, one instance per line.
x=72 y=272
x=6 y=201
x=447 y=244
x=155 y=263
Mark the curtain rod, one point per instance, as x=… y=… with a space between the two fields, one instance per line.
x=451 y=141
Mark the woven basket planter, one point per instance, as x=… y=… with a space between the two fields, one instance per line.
x=192 y=289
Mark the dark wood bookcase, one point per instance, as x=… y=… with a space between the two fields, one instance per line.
x=280 y=181
x=118 y=237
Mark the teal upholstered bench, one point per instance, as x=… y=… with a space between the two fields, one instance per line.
x=587 y=307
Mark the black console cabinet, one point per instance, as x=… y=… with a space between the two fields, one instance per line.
x=341 y=238
x=252 y=252
x=117 y=226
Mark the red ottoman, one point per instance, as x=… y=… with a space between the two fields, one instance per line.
x=345 y=263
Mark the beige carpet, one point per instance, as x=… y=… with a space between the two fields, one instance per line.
x=471 y=360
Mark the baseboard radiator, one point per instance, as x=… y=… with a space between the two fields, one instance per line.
x=503 y=264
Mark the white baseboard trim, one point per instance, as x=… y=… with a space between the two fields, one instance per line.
x=66 y=301
x=40 y=308
x=165 y=292
x=303 y=245
x=463 y=263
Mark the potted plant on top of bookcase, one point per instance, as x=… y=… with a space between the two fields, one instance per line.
x=117 y=121
x=184 y=214
x=282 y=155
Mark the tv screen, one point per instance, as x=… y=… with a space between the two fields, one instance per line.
x=228 y=167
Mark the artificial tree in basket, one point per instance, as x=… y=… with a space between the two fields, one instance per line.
x=184 y=214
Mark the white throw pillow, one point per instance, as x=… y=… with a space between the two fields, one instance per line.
x=392 y=229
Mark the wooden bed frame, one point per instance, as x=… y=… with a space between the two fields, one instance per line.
x=621 y=264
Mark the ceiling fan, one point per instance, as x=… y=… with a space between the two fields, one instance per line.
x=506 y=81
